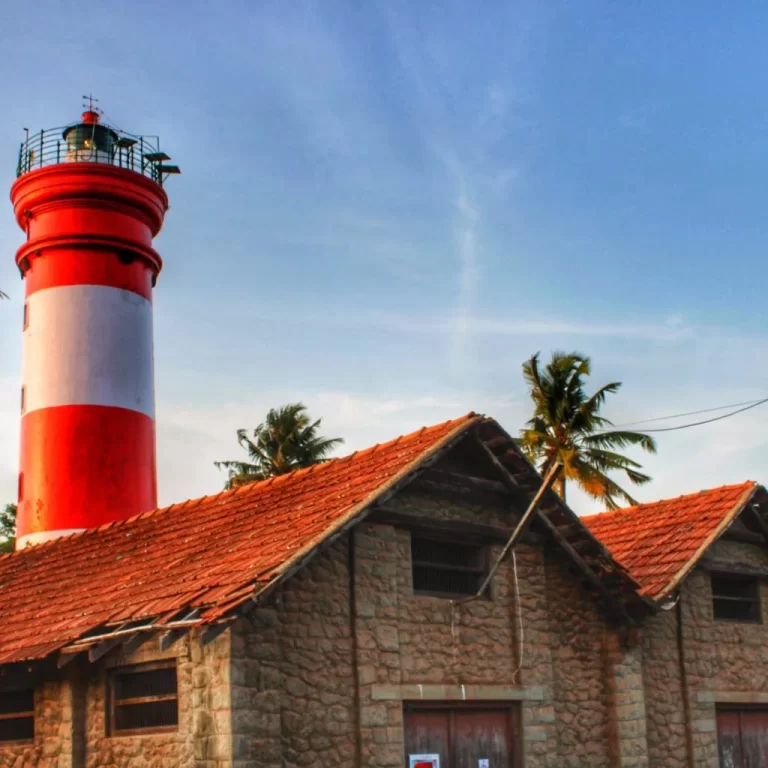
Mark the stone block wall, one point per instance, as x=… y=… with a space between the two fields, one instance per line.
x=203 y=737
x=70 y=715
x=666 y=724
x=580 y=696
x=293 y=677
x=320 y=674
x=692 y=663
x=52 y=745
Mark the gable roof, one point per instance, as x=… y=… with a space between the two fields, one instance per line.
x=202 y=562
x=661 y=542
x=208 y=554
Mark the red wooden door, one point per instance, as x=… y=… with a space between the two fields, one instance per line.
x=427 y=733
x=742 y=737
x=463 y=736
x=481 y=735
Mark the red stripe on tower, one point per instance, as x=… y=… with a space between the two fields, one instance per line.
x=90 y=208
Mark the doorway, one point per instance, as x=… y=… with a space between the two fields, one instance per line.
x=742 y=737
x=474 y=735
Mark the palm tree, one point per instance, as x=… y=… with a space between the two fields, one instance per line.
x=567 y=427
x=8 y=528
x=288 y=439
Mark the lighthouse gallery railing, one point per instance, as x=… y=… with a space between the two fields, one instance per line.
x=135 y=153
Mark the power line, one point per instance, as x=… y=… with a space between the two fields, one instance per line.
x=709 y=421
x=687 y=413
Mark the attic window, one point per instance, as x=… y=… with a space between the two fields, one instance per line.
x=736 y=598
x=143 y=698
x=17 y=716
x=444 y=568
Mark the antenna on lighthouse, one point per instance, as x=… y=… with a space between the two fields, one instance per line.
x=91 y=104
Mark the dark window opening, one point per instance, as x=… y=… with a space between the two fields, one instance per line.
x=143 y=698
x=736 y=598
x=21 y=486
x=17 y=716
x=23 y=399
x=26 y=315
x=447 y=568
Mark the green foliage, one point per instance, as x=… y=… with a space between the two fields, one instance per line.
x=8 y=528
x=287 y=440
x=567 y=427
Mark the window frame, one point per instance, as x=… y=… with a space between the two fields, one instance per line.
x=718 y=596
x=113 y=703
x=20 y=714
x=482 y=569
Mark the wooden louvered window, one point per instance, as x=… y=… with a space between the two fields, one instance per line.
x=445 y=568
x=17 y=715
x=143 y=698
x=736 y=598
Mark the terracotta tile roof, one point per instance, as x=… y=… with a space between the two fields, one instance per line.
x=659 y=542
x=210 y=554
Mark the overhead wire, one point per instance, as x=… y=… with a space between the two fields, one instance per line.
x=698 y=423
x=686 y=413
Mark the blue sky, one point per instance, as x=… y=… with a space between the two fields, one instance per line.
x=385 y=207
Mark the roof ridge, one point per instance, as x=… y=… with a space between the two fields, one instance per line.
x=256 y=486
x=668 y=500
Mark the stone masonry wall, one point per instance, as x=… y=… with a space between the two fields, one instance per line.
x=722 y=662
x=308 y=677
x=70 y=715
x=52 y=745
x=203 y=737
x=663 y=684
x=293 y=689
x=580 y=697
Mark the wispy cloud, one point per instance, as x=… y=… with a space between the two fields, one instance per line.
x=517 y=324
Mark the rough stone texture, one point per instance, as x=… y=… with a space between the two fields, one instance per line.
x=580 y=700
x=293 y=688
x=626 y=707
x=70 y=716
x=203 y=738
x=721 y=661
x=718 y=657
x=52 y=745
x=663 y=685
x=295 y=662
x=318 y=675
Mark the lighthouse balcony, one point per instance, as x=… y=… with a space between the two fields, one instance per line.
x=95 y=143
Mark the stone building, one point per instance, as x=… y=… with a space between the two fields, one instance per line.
x=331 y=617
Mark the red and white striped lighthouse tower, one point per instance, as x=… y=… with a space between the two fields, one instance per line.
x=90 y=199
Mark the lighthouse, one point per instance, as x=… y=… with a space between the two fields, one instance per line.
x=90 y=200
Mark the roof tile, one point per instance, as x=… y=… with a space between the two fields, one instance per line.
x=208 y=554
x=656 y=541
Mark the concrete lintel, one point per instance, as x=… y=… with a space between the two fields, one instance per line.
x=431 y=692
x=732 y=697
x=535 y=733
x=705 y=725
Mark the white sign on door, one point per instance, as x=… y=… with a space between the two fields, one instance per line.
x=483 y=762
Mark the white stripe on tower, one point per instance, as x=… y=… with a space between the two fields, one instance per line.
x=88 y=345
